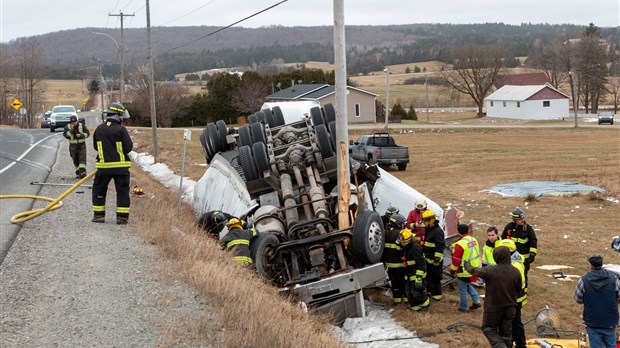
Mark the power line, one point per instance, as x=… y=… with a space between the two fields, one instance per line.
x=187 y=14
x=226 y=27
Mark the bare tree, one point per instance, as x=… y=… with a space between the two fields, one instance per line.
x=551 y=58
x=475 y=67
x=7 y=86
x=592 y=68
x=28 y=59
x=250 y=96
x=614 y=92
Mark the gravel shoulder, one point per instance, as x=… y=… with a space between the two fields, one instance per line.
x=72 y=283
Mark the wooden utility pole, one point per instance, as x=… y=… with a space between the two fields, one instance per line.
x=122 y=82
x=151 y=81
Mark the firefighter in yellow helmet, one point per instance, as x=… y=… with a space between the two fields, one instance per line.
x=393 y=258
x=433 y=247
x=516 y=259
x=238 y=240
x=415 y=271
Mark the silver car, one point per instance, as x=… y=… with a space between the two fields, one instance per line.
x=606 y=117
x=61 y=116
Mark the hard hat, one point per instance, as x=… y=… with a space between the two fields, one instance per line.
x=73 y=119
x=391 y=210
x=396 y=221
x=428 y=214
x=405 y=236
x=420 y=204
x=234 y=222
x=518 y=214
x=507 y=243
x=118 y=109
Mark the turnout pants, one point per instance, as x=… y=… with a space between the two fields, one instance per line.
x=100 y=190
x=78 y=154
x=433 y=280
x=417 y=296
x=518 y=330
x=397 y=279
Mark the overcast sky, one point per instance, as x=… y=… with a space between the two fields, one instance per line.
x=21 y=18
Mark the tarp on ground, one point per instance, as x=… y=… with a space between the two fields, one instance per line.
x=542 y=188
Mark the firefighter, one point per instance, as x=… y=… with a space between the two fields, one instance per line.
x=414 y=219
x=433 y=246
x=516 y=259
x=388 y=214
x=238 y=240
x=393 y=258
x=524 y=237
x=213 y=222
x=466 y=249
x=76 y=132
x=113 y=144
x=415 y=271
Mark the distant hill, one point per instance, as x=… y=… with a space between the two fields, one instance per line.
x=369 y=48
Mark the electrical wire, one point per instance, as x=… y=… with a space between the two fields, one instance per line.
x=226 y=27
x=190 y=12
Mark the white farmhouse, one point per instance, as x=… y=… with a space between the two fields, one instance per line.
x=536 y=102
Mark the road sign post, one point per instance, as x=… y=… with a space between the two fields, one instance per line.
x=187 y=135
x=16 y=104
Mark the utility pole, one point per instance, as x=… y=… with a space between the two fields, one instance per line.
x=575 y=94
x=122 y=86
x=426 y=88
x=387 y=95
x=151 y=80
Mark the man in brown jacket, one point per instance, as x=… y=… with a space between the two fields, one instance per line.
x=503 y=283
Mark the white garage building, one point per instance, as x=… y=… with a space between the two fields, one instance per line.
x=537 y=102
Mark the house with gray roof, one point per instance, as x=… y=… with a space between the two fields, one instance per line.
x=530 y=102
x=360 y=103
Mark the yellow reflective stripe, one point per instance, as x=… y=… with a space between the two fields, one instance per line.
x=237 y=242
x=439 y=255
x=521 y=240
x=392 y=246
x=394 y=265
x=82 y=165
x=397 y=300
x=420 y=273
x=122 y=210
x=410 y=262
x=429 y=244
x=453 y=267
x=119 y=149
x=103 y=165
x=98 y=208
x=100 y=151
x=77 y=141
x=522 y=300
x=533 y=250
x=243 y=260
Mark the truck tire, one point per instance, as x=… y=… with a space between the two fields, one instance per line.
x=402 y=166
x=258 y=132
x=260 y=116
x=260 y=156
x=330 y=113
x=332 y=132
x=252 y=119
x=222 y=132
x=245 y=138
x=213 y=137
x=368 y=237
x=317 y=116
x=259 y=250
x=206 y=145
x=279 y=116
x=271 y=121
x=322 y=138
x=247 y=163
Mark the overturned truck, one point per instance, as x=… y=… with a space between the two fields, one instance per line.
x=282 y=178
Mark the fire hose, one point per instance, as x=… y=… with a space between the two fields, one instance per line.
x=53 y=205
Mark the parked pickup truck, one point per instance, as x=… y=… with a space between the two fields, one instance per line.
x=380 y=149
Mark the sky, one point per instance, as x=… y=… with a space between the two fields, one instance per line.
x=23 y=18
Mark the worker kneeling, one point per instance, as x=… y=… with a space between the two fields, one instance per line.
x=415 y=271
x=238 y=241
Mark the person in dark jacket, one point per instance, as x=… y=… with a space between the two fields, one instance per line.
x=415 y=271
x=503 y=284
x=113 y=144
x=433 y=246
x=393 y=258
x=524 y=237
x=213 y=222
x=238 y=241
x=76 y=132
x=599 y=292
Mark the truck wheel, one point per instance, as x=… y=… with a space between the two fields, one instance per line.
x=332 y=132
x=261 y=158
x=203 y=141
x=258 y=132
x=368 y=237
x=247 y=163
x=214 y=137
x=330 y=113
x=222 y=132
x=209 y=153
x=252 y=119
x=271 y=121
x=260 y=116
x=244 y=136
x=325 y=145
x=402 y=166
x=259 y=250
x=277 y=112
x=317 y=116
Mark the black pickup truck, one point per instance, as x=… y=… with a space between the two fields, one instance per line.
x=380 y=149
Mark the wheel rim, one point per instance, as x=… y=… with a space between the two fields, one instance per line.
x=375 y=235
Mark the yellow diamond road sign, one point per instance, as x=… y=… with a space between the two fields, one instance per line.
x=16 y=104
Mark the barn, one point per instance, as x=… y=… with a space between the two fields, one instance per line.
x=530 y=102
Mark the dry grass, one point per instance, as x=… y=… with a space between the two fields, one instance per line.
x=452 y=166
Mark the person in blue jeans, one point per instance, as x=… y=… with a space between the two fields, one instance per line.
x=599 y=292
x=465 y=249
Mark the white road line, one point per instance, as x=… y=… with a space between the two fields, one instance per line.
x=24 y=154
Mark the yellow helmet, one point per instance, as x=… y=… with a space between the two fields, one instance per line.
x=428 y=217
x=234 y=222
x=507 y=243
x=405 y=236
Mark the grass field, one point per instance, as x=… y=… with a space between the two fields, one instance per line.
x=453 y=166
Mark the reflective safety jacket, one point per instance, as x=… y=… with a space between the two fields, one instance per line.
x=524 y=238
x=434 y=244
x=238 y=241
x=465 y=249
x=392 y=252
x=113 y=144
x=517 y=261
x=415 y=265
x=487 y=253
x=69 y=132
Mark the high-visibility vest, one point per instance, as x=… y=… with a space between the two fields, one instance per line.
x=471 y=253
